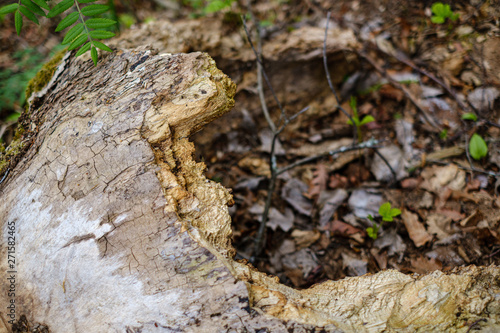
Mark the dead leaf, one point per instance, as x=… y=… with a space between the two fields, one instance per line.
x=472 y=219
x=392 y=241
x=343 y=229
x=422 y=265
x=292 y=193
x=364 y=202
x=439 y=225
x=329 y=202
x=436 y=177
x=354 y=266
x=318 y=182
x=381 y=258
x=258 y=166
x=416 y=230
x=305 y=238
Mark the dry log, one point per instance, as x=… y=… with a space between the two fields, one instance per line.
x=118 y=230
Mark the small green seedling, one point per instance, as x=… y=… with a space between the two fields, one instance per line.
x=442 y=12
x=477 y=146
x=469 y=116
x=387 y=213
x=355 y=117
x=443 y=134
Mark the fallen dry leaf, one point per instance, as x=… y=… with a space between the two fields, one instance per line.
x=439 y=224
x=422 y=265
x=318 y=183
x=304 y=238
x=416 y=230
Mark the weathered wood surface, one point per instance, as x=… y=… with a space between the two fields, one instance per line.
x=117 y=229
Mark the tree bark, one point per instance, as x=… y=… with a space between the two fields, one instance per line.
x=118 y=230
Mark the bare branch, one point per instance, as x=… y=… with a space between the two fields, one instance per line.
x=372 y=143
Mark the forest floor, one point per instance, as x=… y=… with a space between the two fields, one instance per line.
x=430 y=89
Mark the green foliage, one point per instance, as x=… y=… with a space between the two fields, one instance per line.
x=477 y=147
x=355 y=117
x=126 y=20
x=204 y=7
x=387 y=213
x=442 y=12
x=13 y=79
x=84 y=34
x=443 y=134
x=469 y=116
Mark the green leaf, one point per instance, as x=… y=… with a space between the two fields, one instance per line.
x=83 y=49
x=67 y=21
x=385 y=209
x=102 y=46
x=9 y=8
x=42 y=4
x=395 y=212
x=78 y=41
x=86 y=1
x=216 y=6
x=438 y=9
x=99 y=23
x=13 y=117
x=18 y=21
x=101 y=34
x=366 y=120
x=33 y=7
x=72 y=33
x=93 y=54
x=60 y=8
x=477 y=147
x=93 y=10
x=437 y=19
x=29 y=15
x=469 y=116
x=371 y=233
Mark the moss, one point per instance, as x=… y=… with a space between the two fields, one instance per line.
x=44 y=75
x=36 y=84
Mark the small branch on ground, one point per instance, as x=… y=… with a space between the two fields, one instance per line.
x=399 y=86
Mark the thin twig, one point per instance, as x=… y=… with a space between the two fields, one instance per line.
x=260 y=86
x=394 y=176
x=330 y=84
x=402 y=58
x=372 y=143
x=268 y=82
x=397 y=85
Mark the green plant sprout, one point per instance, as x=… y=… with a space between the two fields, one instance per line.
x=477 y=146
x=442 y=12
x=387 y=213
x=355 y=117
x=83 y=35
x=443 y=134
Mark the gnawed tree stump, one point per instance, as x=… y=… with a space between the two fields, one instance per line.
x=117 y=229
